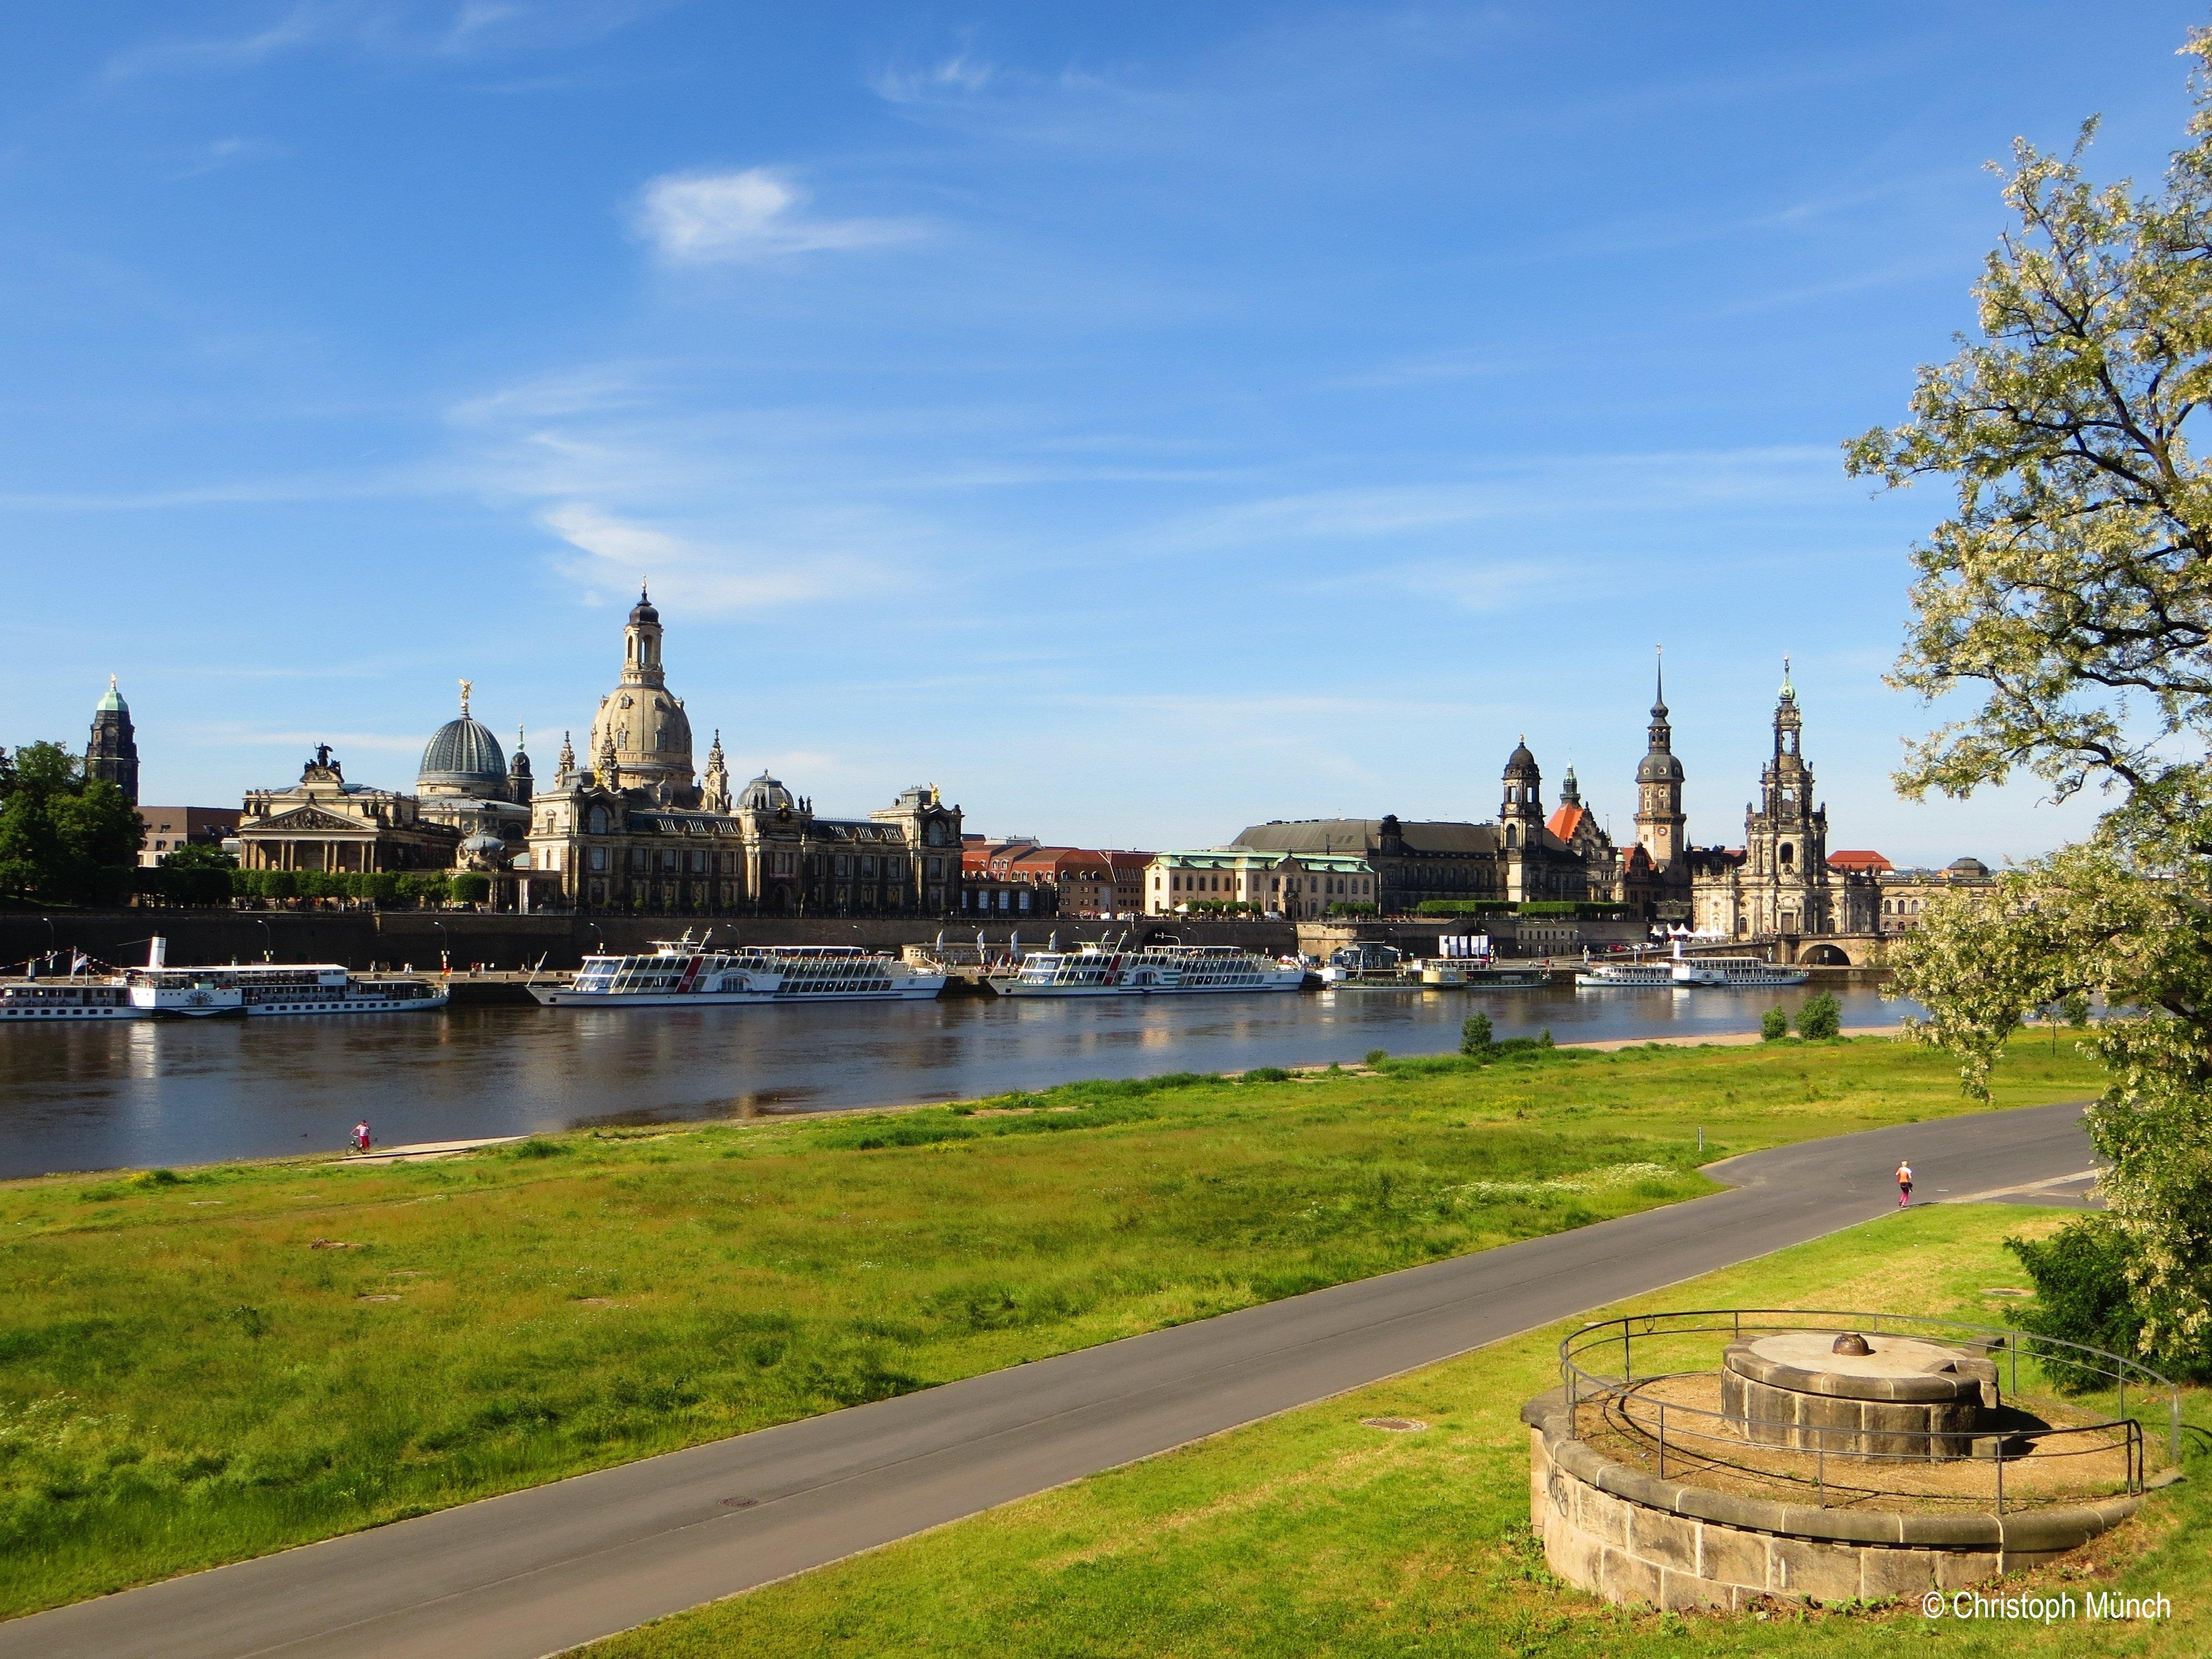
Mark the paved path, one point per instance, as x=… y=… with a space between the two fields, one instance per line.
x=531 y=1573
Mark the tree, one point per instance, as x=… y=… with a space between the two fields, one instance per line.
x=1475 y=1036
x=1820 y=1019
x=1773 y=1026
x=2070 y=597
x=64 y=838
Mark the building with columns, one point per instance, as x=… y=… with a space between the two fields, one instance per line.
x=635 y=827
x=326 y=825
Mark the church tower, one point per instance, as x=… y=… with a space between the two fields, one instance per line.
x=1785 y=838
x=1660 y=824
x=113 y=753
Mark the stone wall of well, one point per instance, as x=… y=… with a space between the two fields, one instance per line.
x=1630 y=1537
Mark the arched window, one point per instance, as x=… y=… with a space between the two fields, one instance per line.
x=597 y=821
x=1512 y=835
x=1786 y=855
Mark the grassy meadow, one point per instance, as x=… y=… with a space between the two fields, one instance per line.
x=1310 y=1534
x=203 y=1365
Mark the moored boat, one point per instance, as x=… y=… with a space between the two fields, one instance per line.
x=1734 y=973
x=1103 y=969
x=1627 y=976
x=261 y=989
x=678 y=974
x=104 y=996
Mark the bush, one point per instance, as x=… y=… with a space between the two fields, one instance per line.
x=1475 y=1035
x=2083 y=1295
x=1377 y=1056
x=1267 y=1074
x=1773 y=1026
x=470 y=887
x=1820 y=1019
x=1463 y=907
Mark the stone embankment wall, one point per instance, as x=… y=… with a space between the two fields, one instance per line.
x=1630 y=1537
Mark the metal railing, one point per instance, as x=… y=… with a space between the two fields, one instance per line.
x=1841 y=1455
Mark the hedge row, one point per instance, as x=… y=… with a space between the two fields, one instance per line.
x=431 y=887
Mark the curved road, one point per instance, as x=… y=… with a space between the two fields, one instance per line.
x=531 y=1573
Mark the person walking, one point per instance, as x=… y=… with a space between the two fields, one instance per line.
x=1903 y=1183
x=360 y=1139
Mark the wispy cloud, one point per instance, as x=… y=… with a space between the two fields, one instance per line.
x=750 y=215
x=221 y=153
x=421 y=29
x=704 y=577
x=907 y=84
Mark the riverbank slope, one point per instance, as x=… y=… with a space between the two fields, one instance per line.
x=206 y=1365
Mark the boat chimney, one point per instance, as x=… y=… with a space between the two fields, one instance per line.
x=157 y=952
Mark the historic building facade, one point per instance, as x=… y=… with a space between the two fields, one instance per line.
x=1523 y=857
x=634 y=827
x=467 y=784
x=112 y=751
x=1299 y=886
x=324 y=823
x=1780 y=881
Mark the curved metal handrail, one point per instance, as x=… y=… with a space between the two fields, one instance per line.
x=1613 y=1391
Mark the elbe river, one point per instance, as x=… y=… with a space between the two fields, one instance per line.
x=135 y=1094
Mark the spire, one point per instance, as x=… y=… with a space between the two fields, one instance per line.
x=1789 y=691
x=567 y=763
x=1659 y=689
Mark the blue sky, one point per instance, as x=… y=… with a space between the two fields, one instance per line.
x=1139 y=421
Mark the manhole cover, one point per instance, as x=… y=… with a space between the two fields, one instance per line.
x=1394 y=1425
x=2006 y=1290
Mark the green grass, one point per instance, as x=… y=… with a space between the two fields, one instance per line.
x=186 y=1378
x=1309 y=1534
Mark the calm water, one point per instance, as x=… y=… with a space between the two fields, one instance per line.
x=135 y=1094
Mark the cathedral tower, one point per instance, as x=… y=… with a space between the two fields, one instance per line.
x=113 y=753
x=1785 y=838
x=1660 y=824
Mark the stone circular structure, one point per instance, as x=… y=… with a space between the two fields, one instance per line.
x=1903 y=1398
x=1630 y=1536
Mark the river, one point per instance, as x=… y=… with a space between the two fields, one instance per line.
x=139 y=1094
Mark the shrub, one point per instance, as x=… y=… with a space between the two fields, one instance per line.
x=2083 y=1294
x=1475 y=1035
x=1267 y=1074
x=1773 y=1026
x=1462 y=907
x=1377 y=1056
x=470 y=887
x=1820 y=1019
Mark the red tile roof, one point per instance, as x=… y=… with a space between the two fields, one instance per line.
x=1872 y=863
x=1566 y=821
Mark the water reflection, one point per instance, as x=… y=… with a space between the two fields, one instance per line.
x=135 y=1094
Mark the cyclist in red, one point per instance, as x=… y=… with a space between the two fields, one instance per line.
x=361 y=1136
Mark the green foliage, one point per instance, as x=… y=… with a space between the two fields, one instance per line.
x=470 y=887
x=64 y=838
x=378 y=887
x=1773 y=1026
x=1593 y=909
x=2085 y=1276
x=1377 y=1056
x=2066 y=603
x=1820 y=1019
x=1267 y=1074
x=1463 y=907
x=1474 y=1034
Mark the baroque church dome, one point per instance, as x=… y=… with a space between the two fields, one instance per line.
x=463 y=756
x=639 y=721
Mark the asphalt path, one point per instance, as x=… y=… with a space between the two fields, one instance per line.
x=536 y=1571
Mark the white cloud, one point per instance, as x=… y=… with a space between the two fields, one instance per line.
x=959 y=73
x=621 y=555
x=757 y=213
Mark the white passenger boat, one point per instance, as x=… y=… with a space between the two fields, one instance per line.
x=678 y=974
x=260 y=989
x=105 y=996
x=1734 y=973
x=1627 y=976
x=1101 y=970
